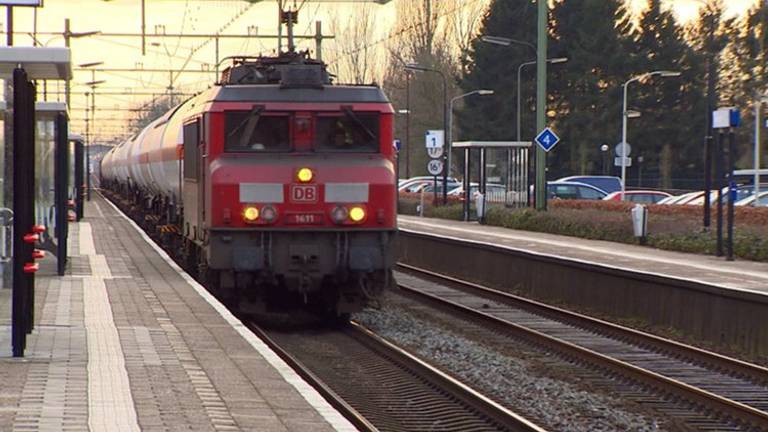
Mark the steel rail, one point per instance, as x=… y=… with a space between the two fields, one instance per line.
x=335 y=400
x=466 y=394
x=756 y=373
x=661 y=383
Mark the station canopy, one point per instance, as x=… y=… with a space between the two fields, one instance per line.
x=41 y=63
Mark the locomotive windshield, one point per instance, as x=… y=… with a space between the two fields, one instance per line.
x=253 y=131
x=349 y=132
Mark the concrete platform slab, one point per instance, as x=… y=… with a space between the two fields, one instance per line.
x=126 y=341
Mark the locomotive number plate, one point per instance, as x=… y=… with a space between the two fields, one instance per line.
x=304 y=218
x=304 y=193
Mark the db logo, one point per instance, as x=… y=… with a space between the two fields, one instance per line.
x=304 y=193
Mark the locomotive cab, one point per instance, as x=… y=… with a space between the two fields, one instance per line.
x=293 y=182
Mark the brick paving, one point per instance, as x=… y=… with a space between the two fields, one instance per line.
x=123 y=342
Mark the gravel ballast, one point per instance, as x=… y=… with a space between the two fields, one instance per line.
x=512 y=375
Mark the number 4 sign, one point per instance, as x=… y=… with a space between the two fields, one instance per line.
x=547 y=139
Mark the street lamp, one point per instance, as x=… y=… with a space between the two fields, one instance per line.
x=604 y=148
x=417 y=68
x=504 y=41
x=556 y=60
x=92 y=84
x=626 y=114
x=482 y=92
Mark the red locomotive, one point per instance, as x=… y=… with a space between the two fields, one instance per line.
x=276 y=186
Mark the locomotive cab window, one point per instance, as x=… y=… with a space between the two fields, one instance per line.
x=349 y=132
x=255 y=131
x=191 y=141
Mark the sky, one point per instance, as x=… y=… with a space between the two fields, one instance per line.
x=117 y=94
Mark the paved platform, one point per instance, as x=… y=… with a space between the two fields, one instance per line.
x=738 y=276
x=127 y=342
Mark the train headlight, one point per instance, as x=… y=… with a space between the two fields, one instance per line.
x=357 y=214
x=251 y=214
x=268 y=214
x=339 y=214
x=304 y=175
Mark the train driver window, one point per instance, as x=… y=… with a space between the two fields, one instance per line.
x=351 y=132
x=254 y=131
x=191 y=134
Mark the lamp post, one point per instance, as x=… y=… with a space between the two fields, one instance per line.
x=408 y=124
x=758 y=143
x=625 y=115
x=92 y=84
x=446 y=157
x=555 y=60
x=504 y=41
x=482 y=92
x=68 y=35
x=604 y=148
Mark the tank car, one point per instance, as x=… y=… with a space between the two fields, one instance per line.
x=275 y=186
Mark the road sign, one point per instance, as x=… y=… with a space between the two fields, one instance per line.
x=547 y=139
x=435 y=152
x=435 y=138
x=396 y=144
x=435 y=167
x=627 y=163
x=623 y=149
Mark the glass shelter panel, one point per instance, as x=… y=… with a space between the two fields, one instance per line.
x=45 y=209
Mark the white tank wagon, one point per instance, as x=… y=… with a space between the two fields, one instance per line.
x=150 y=161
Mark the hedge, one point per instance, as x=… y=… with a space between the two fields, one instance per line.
x=670 y=227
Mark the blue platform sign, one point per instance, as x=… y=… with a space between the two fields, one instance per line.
x=397 y=145
x=547 y=139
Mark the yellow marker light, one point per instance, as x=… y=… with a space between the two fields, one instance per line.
x=250 y=214
x=305 y=175
x=356 y=214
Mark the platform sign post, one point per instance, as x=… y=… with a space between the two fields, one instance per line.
x=725 y=120
x=435 y=144
x=23 y=208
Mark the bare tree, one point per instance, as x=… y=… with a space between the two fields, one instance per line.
x=358 y=57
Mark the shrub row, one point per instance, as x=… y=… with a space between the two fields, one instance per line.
x=669 y=229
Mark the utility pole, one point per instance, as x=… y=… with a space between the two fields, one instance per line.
x=143 y=28
x=9 y=21
x=67 y=34
x=319 y=40
x=541 y=106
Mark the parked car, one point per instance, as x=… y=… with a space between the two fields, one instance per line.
x=639 y=196
x=605 y=183
x=682 y=199
x=742 y=192
x=494 y=192
x=405 y=183
x=574 y=190
x=428 y=186
x=750 y=200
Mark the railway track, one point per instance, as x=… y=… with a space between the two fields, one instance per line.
x=380 y=387
x=722 y=390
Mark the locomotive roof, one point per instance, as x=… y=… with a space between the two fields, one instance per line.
x=274 y=93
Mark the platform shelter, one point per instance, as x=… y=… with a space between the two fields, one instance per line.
x=516 y=187
x=20 y=67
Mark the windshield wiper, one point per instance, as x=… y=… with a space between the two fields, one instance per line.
x=249 y=122
x=349 y=113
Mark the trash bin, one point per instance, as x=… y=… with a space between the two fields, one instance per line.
x=640 y=222
x=480 y=205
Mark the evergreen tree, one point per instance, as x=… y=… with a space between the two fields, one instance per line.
x=669 y=133
x=585 y=92
x=495 y=67
x=747 y=75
